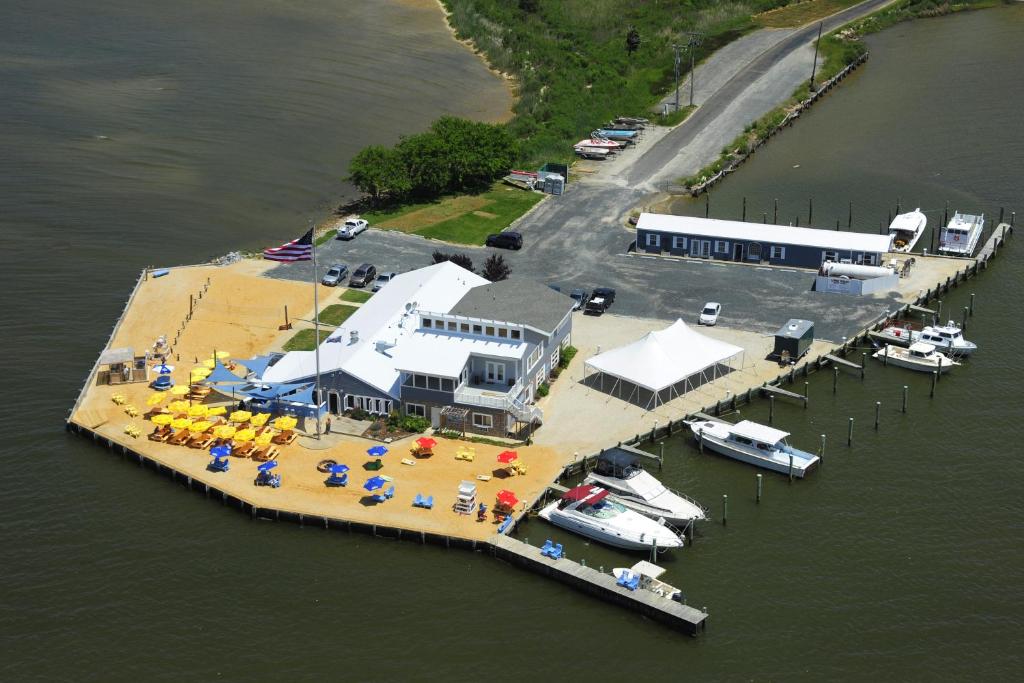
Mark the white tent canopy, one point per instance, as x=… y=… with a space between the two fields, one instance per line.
x=664 y=359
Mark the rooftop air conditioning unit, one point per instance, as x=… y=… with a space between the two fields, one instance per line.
x=353 y=336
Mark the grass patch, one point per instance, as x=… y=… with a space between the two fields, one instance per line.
x=674 y=118
x=464 y=219
x=336 y=314
x=356 y=296
x=303 y=340
x=800 y=13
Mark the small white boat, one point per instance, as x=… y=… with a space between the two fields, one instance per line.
x=644 y=576
x=619 y=472
x=961 y=235
x=906 y=229
x=754 y=444
x=602 y=143
x=592 y=152
x=587 y=511
x=919 y=356
x=948 y=338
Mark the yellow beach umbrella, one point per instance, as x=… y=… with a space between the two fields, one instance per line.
x=259 y=419
x=198 y=375
x=178 y=406
x=208 y=364
x=264 y=439
x=199 y=427
x=240 y=416
x=243 y=435
x=221 y=355
x=285 y=423
x=217 y=411
x=181 y=423
x=162 y=419
x=224 y=431
x=198 y=410
x=180 y=390
x=156 y=398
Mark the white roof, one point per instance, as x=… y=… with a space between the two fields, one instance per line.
x=758 y=432
x=648 y=569
x=384 y=321
x=664 y=357
x=445 y=354
x=758 y=232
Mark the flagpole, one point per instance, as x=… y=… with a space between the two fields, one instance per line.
x=316 y=330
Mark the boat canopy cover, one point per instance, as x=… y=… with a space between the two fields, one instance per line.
x=580 y=492
x=648 y=569
x=758 y=432
x=599 y=495
x=922 y=347
x=619 y=458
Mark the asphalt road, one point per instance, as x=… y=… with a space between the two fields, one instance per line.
x=579 y=239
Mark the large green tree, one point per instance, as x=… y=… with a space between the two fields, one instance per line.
x=379 y=172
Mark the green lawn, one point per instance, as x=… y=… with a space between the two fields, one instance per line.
x=800 y=13
x=464 y=219
x=303 y=340
x=336 y=314
x=356 y=296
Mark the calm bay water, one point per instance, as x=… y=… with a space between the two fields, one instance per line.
x=227 y=124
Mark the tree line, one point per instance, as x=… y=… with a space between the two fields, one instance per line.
x=454 y=155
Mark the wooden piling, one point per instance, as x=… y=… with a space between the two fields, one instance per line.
x=934 y=377
x=849 y=433
x=771 y=409
x=878 y=411
x=760 y=486
x=905 y=394
x=835 y=379
x=725 y=509
x=972 y=303
x=775 y=215
x=863 y=363
x=807 y=392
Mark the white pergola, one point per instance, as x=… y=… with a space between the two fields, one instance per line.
x=665 y=363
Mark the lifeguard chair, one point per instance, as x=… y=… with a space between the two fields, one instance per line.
x=465 y=501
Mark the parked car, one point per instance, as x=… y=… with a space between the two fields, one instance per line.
x=364 y=275
x=596 y=306
x=709 y=314
x=335 y=275
x=606 y=293
x=505 y=240
x=581 y=297
x=383 y=279
x=352 y=227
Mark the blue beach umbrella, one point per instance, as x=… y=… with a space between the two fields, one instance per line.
x=377 y=451
x=374 y=483
x=267 y=466
x=163 y=369
x=220 y=451
x=339 y=469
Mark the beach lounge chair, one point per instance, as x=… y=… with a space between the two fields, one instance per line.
x=464 y=453
x=429 y=503
x=285 y=437
x=244 y=450
x=161 y=434
x=390 y=493
x=546 y=548
x=180 y=438
x=201 y=441
x=556 y=552
x=337 y=479
x=265 y=453
x=426 y=502
x=268 y=479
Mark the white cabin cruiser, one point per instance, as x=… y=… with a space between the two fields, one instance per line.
x=754 y=444
x=961 y=235
x=906 y=230
x=587 y=511
x=619 y=472
x=644 y=576
x=919 y=356
x=948 y=338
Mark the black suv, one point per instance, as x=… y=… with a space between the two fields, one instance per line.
x=506 y=240
x=364 y=275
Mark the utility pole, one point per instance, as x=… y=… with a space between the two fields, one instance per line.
x=316 y=328
x=814 y=66
x=692 y=44
x=675 y=48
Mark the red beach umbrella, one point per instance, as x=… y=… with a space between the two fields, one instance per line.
x=425 y=442
x=507 y=456
x=506 y=497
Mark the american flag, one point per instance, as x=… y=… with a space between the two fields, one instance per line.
x=296 y=250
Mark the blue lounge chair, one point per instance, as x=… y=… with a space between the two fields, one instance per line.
x=337 y=480
x=429 y=503
x=547 y=547
x=219 y=465
x=390 y=493
x=418 y=501
x=556 y=552
x=384 y=496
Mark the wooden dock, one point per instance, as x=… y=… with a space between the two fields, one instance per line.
x=779 y=391
x=600 y=584
x=842 y=361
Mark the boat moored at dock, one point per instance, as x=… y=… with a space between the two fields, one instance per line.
x=588 y=511
x=906 y=229
x=961 y=234
x=919 y=356
x=754 y=444
x=645 y=575
x=948 y=338
x=627 y=483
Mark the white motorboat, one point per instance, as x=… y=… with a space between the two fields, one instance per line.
x=601 y=143
x=644 y=576
x=906 y=230
x=754 y=444
x=961 y=235
x=948 y=338
x=919 y=356
x=588 y=511
x=619 y=472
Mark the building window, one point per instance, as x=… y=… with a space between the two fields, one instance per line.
x=447 y=384
x=495 y=372
x=555 y=357
x=439 y=324
x=452 y=326
x=679 y=242
x=721 y=247
x=415 y=409
x=433 y=383
x=653 y=239
x=427 y=322
x=778 y=252
x=566 y=341
x=871 y=259
x=477 y=329
x=465 y=327
x=483 y=421
x=503 y=333
x=490 y=331
x=350 y=402
x=516 y=334
x=420 y=381
x=828 y=255
x=534 y=357
x=465 y=374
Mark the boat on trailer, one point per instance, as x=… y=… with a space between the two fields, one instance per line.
x=619 y=472
x=645 y=575
x=961 y=234
x=754 y=444
x=906 y=229
x=918 y=356
x=948 y=338
x=598 y=153
x=588 y=511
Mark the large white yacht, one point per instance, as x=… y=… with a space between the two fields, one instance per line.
x=961 y=235
x=906 y=230
x=948 y=338
x=754 y=444
x=588 y=511
x=619 y=472
x=920 y=356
